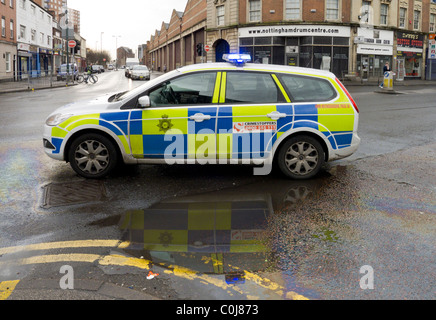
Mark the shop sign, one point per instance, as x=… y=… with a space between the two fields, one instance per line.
x=432 y=46
x=375 y=42
x=410 y=42
x=295 y=31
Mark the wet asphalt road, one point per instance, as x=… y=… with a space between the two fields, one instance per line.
x=220 y=232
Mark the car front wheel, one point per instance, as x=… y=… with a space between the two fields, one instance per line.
x=92 y=156
x=301 y=157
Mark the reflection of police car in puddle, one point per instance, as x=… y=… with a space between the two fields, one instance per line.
x=217 y=233
x=212 y=113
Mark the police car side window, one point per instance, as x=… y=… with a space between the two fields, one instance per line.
x=191 y=89
x=251 y=87
x=308 y=89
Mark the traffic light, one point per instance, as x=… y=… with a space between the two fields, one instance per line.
x=77 y=47
x=200 y=49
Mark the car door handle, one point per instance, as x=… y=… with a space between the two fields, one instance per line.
x=199 y=117
x=275 y=115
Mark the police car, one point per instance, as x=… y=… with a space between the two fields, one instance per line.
x=216 y=113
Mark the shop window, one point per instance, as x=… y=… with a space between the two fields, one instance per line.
x=278 y=55
x=341 y=41
x=306 y=40
x=279 y=40
x=246 y=41
x=306 y=57
x=308 y=89
x=322 y=40
x=262 y=40
x=292 y=41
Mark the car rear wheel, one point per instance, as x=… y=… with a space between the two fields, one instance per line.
x=92 y=156
x=301 y=157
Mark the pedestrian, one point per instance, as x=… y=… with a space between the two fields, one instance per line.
x=165 y=68
x=386 y=68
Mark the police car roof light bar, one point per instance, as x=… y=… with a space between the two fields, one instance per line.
x=236 y=58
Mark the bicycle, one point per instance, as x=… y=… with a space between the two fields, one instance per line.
x=87 y=77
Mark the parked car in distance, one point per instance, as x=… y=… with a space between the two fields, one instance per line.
x=96 y=69
x=110 y=67
x=73 y=71
x=140 y=73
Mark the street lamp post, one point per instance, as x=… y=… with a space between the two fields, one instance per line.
x=116 y=51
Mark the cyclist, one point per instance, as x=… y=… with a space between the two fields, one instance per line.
x=88 y=70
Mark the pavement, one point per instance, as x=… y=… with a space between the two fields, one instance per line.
x=8 y=87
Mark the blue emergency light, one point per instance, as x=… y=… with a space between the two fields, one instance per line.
x=236 y=58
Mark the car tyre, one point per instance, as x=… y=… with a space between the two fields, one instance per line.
x=301 y=157
x=92 y=156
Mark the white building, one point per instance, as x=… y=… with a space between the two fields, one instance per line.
x=34 y=39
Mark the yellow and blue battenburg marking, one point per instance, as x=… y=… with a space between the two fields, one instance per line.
x=198 y=227
x=230 y=132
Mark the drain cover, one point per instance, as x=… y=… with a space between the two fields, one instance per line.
x=65 y=194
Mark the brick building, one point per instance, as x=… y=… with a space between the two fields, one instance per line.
x=8 y=39
x=348 y=37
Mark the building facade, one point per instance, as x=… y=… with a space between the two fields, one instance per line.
x=351 y=38
x=8 y=39
x=34 y=39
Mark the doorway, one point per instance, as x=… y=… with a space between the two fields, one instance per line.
x=221 y=47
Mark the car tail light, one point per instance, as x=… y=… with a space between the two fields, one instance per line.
x=348 y=95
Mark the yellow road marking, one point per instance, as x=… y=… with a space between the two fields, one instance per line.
x=6 y=288
x=64 y=244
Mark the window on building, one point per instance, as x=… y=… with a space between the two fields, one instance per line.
x=332 y=9
x=366 y=12
x=254 y=10
x=33 y=35
x=23 y=4
x=416 y=18
x=403 y=15
x=22 y=32
x=3 y=27
x=292 y=10
x=220 y=15
x=432 y=22
x=11 y=26
x=384 y=14
x=8 y=62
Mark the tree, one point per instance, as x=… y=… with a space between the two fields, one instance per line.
x=97 y=57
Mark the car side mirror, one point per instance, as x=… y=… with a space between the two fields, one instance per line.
x=144 y=101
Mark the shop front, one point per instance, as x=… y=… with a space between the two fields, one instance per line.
x=312 y=46
x=374 y=49
x=410 y=49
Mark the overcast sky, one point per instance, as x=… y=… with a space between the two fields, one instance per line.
x=134 y=20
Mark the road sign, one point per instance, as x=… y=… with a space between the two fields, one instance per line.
x=206 y=48
x=72 y=43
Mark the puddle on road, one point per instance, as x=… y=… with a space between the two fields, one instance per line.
x=259 y=228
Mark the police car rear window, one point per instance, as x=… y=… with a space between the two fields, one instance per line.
x=308 y=89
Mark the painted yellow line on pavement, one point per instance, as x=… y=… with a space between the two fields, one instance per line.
x=6 y=288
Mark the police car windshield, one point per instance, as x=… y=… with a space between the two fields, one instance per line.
x=137 y=91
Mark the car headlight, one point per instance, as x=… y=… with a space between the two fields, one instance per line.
x=57 y=119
